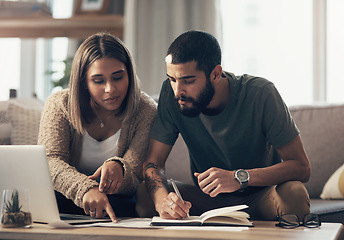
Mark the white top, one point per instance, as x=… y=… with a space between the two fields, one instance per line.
x=94 y=153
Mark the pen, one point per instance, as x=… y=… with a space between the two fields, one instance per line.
x=177 y=192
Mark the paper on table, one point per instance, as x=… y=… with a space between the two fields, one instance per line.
x=123 y=223
x=145 y=223
x=60 y=224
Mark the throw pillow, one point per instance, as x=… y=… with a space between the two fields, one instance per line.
x=5 y=125
x=334 y=187
x=25 y=119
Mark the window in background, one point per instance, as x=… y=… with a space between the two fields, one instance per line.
x=10 y=65
x=271 y=39
x=49 y=55
x=61 y=9
x=335 y=50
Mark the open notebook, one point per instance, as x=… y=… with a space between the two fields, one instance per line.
x=26 y=167
x=226 y=216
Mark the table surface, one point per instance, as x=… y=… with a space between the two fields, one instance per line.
x=261 y=230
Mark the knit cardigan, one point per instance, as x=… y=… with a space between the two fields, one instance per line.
x=64 y=145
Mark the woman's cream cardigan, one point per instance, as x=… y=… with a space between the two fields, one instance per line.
x=63 y=146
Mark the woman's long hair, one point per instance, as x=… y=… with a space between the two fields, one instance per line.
x=93 y=48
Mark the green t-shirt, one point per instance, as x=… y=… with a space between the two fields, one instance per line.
x=244 y=135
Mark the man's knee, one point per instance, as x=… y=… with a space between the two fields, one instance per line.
x=292 y=191
x=294 y=197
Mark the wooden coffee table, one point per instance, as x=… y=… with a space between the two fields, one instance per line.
x=262 y=230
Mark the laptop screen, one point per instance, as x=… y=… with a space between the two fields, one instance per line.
x=26 y=167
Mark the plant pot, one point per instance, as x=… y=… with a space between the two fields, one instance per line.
x=15 y=209
x=20 y=219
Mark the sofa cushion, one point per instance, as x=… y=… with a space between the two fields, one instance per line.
x=178 y=163
x=24 y=115
x=322 y=133
x=334 y=187
x=328 y=210
x=5 y=125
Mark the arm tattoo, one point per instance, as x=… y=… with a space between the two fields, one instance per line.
x=155 y=179
x=151 y=165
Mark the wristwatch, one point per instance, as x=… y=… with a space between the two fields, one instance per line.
x=243 y=177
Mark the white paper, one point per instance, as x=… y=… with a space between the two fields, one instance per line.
x=123 y=223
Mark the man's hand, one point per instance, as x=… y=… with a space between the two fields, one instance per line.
x=215 y=181
x=111 y=177
x=96 y=204
x=173 y=207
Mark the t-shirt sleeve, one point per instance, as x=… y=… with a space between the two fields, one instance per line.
x=278 y=123
x=164 y=128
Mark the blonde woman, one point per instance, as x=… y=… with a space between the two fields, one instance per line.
x=96 y=131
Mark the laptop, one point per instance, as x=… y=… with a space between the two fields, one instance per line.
x=26 y=167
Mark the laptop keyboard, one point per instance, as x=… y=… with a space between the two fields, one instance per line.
x=65 y=216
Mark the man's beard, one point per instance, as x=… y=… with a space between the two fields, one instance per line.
x=199 y=104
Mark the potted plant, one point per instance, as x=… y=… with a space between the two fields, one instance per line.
x=63 y=81
x=12 y=214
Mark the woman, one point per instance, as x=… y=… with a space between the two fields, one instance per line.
x=96 y=131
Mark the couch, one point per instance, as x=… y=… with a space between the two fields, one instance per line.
x=322 y=132
x=19 y=121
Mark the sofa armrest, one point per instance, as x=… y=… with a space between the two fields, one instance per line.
x=322 y=133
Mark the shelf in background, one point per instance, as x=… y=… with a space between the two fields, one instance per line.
x=75 y=27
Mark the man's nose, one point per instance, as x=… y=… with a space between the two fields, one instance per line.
x=179 y=89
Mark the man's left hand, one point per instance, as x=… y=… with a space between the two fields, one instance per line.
x=215 y=181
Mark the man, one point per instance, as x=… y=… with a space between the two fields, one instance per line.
x=244 y=146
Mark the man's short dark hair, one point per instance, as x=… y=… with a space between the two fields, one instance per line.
x=196 y=46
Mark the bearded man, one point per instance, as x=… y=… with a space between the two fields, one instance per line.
x=243 y=143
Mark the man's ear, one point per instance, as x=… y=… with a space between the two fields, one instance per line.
x=215 y=75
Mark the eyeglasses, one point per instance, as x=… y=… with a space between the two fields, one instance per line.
x=292 y=221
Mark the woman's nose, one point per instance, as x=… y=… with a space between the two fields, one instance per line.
x=109 y=87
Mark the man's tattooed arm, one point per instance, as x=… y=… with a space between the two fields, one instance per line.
x=154 y=178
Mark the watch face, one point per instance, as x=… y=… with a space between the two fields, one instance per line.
x=242 y=175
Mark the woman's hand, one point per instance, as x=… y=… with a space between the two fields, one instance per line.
x=96 y=204
x=111 y=176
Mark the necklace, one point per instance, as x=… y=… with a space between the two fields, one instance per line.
x=102 y=121
x=96 y=107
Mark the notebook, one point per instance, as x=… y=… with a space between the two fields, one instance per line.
x=226 y=216
x=26 y=167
